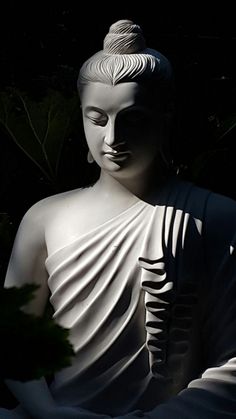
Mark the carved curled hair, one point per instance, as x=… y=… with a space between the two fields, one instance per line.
x=125 y=58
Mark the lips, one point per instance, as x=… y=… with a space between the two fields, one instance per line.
x=116 y=155
x=114 y=152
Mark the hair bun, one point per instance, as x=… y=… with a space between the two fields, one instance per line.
x=124 y=37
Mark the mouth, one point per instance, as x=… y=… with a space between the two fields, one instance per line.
x=116 y=155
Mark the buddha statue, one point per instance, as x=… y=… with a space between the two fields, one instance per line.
x=140 y=266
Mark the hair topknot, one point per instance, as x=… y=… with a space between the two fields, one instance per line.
x=126 y=58
x=124 y=37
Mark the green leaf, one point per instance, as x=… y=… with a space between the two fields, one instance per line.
x=31 y=346
x=15 y=298
x=226 y=126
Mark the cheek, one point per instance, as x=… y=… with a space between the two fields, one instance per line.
x=148 y=152
x=144 y=140
x=146 y=145
x=143 y=132
x=93 y=135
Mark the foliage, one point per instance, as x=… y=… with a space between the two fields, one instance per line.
x=38 y=127
x=31 y=346
x=218 y=148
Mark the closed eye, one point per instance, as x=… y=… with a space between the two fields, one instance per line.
x=98 y=121
x=96 y=117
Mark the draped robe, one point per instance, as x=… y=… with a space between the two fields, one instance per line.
x=148 y=299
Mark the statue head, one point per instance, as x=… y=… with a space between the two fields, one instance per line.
x=131 y=84
x=125 y=58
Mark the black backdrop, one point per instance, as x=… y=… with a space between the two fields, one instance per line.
x=42 y=45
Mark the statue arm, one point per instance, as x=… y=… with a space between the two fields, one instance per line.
x=27 y=261
x=26 y=265
x=213 y=394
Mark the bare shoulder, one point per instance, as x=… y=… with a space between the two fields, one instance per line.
x=46 y=215
x=55 y=220
x=49 y=207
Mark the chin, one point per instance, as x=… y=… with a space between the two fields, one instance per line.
x=121 y=173
x=114 y=167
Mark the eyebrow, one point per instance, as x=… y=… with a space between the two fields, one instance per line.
x=132 y=107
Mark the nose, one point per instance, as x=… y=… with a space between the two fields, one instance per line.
x=112 y=137
x=110 y=134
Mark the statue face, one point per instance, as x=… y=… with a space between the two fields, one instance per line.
x=121 y=127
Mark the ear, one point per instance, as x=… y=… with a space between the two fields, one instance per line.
x=90 y=158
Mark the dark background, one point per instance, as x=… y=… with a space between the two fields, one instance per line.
x=42 y=46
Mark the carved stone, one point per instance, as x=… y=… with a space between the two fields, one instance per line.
x=140 y=266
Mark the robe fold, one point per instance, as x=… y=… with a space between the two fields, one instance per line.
x=148 y=297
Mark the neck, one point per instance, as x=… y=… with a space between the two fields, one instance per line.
x=111 y=188
x=140 y=187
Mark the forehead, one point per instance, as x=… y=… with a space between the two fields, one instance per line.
x=114 y=98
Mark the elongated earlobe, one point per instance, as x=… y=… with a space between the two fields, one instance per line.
x=90 y=158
